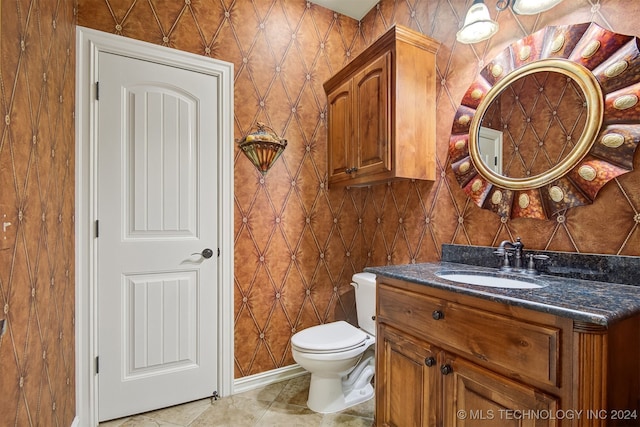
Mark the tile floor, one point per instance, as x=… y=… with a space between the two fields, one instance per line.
x=280 y=404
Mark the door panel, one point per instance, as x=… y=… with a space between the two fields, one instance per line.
x=372 y=117
x=488 y=399
x=407 y=381
x=340 y=134
x=157 y=210
x=161 y=169
x=162 y=328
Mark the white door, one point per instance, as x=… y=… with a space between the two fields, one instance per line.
x=490 y=146
x=157 y=214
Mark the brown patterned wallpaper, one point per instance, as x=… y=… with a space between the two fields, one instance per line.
x=297 y=243
x=37 y=85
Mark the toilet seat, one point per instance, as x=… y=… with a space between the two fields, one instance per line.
x=329 y=338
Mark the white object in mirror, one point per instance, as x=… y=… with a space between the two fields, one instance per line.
x=490 y=145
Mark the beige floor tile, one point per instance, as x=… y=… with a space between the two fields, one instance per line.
x=364 y=409
x=114 y=423
x=282 y=414
x=232 y=411
x=181 y=414
x=143 y=421
x=296 y=391
x=267 y=393
x=280 y=404
x=344 y=420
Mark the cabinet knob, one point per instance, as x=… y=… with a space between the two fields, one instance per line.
x=430 y=361
x=446 y=369
x=437 y=315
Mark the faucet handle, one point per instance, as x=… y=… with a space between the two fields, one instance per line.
x=531 y=265
x=539 y=256
x=505 y=254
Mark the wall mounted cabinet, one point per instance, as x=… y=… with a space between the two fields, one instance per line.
x=381 y=112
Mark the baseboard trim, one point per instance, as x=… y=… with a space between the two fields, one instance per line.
x=262 y=379
x=75 y=422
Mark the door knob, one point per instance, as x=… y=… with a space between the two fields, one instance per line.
x=206 y=253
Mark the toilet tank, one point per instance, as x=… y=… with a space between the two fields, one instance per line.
x=365 y=285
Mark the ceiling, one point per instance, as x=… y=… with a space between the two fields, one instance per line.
x=355 y=9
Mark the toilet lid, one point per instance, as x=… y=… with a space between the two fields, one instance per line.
x=333 y=336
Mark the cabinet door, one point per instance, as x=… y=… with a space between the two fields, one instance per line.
x=407 y=381
x=340 y=106
x=474 y=396
x=372 y=113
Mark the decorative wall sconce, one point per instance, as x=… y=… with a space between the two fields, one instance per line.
x=262 y=147
x=479 y=26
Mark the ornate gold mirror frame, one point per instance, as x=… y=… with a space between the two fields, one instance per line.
x=605 y=66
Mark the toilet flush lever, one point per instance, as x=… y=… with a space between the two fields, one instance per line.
x=206 y=253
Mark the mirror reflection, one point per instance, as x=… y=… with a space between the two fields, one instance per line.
x=532 y=125
x=549 y=122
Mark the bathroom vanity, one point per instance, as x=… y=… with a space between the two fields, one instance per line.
x=451 y=354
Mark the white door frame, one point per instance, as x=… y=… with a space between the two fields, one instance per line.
x=88 y=44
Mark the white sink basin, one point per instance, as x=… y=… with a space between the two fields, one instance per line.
x=489 y=280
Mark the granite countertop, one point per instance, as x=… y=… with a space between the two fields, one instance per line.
x=588 y=301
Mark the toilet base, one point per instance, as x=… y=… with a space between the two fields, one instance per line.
x=329 y=394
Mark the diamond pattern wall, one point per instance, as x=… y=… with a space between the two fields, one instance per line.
x=297 y=242
x=37 y=73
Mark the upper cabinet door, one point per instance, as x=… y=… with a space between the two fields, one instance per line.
x=372 y=112
x=339 y=105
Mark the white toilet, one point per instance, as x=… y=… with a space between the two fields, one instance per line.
x=340 y=356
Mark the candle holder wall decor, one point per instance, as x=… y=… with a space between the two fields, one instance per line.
x=262 y=147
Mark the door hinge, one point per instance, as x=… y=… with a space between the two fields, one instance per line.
x=97 y=365
x=218 y=252
x=97 y=228
x=97 y=91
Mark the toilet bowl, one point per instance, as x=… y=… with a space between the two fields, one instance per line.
x=339 y=356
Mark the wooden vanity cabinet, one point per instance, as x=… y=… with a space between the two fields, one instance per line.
x=446 y=359
x=381 y=112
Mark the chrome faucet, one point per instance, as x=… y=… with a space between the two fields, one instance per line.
x=517 y=247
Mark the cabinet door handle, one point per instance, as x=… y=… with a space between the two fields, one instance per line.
x=430 y=361
x=446 y=369
x=437 y=315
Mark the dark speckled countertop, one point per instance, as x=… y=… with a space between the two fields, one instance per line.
x=601 y=303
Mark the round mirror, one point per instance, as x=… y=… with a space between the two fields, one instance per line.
x=532 y=125
x=543 y=119
x=549 y=121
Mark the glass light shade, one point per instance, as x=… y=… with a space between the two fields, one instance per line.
x=263 y=147
x=478 y=25
x=533 y=7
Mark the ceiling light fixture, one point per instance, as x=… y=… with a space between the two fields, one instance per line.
x=478 y=25
x=527 y=7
